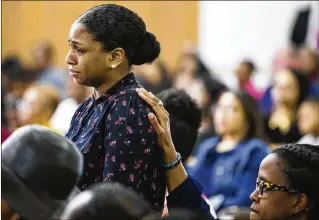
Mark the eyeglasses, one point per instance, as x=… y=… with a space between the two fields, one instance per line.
x=262 y=186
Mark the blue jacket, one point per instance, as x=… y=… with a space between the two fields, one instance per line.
x=230 y=174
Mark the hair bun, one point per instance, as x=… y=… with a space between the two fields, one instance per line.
x=148 y=51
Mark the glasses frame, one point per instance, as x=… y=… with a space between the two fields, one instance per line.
x=262 y=186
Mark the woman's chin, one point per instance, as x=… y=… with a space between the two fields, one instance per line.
x=254 y=216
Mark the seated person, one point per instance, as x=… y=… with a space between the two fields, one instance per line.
x=308 y=121
x=37 y=105
x=225 y=163
x=290 y=89
x=39 y=171
x=287 y=184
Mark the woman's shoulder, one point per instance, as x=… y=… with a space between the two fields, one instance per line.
x=256 y=144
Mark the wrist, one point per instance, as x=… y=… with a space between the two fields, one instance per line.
x=169 y=155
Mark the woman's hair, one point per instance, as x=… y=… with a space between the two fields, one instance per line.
x=251 y=113
x=300 y=164
x=110 y=201
x=116 y=26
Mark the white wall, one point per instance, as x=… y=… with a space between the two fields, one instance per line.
x=230 y=31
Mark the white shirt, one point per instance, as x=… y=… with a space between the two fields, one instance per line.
x=61 y=119
x=309 y=139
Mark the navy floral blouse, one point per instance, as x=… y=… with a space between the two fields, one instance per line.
x=118 y=142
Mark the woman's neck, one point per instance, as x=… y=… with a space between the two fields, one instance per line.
x=109 y=82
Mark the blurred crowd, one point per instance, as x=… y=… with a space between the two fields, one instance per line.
x=225 y=143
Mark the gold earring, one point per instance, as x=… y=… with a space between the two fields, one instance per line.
x=113 y=66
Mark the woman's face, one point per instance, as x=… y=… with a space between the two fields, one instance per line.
x=229 y=117
x=276 y=205
x=286 y=89
x=308 y=121
x=87 y=60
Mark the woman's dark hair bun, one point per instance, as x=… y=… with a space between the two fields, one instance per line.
x=147 y=51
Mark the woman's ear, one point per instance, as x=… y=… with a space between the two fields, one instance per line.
x=300 y=204
x=116 y=57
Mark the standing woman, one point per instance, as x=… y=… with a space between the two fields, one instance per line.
x=111 y=127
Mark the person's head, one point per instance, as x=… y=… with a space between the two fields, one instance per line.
x=105 y=41
x=15 y=78
x=308 y=120
x=308 y=61
x=155 y=76
x=76 y=91
x=42 y=53
x=290 y=87
x=37 y=105
x=287 y=185
x=39 y=170
x=110 y=201
x=185 y=119
x=237 y=113
x=244 y=71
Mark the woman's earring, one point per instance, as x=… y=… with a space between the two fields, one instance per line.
x=113 y=66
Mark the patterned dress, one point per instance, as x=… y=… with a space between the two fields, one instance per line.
x=118 y=142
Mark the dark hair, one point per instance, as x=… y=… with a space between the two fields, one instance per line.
x=250 y=65
x=111 y=201
x=185 y=119
x=301 y=168
x=13 y=69
x=251 y=112
x=303 y=83
x=116 y=26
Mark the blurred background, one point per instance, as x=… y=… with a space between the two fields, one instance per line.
x=269 y=50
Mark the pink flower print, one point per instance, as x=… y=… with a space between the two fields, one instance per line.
x=131 y=177
x=150 y=129
x=148 y=110
x=108 y=176
x=110 y=98
x=132 y=112
x=107 y=155
x=109 y=117
x=123 y=166
x=124 y=102
x=87 y=150
x=143 y=141
x=112 y=143
x=113 y=158
x=140 y=161
x=91 y=165
x=147 y=150
x=137 y=165
x=153 y=186
x=120 y=134
x=146 y=165
x=129 y=129
x=122 y=92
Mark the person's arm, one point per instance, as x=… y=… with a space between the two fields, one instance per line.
x=130 y=146
x=184 y=191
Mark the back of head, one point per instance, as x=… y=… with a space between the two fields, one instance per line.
x=50 y=97
x=185 y=119
x=301 y=168
x=110 y=201
x=39 y=170
x=118 y=27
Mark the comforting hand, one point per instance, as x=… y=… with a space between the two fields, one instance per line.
x=161 y=124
